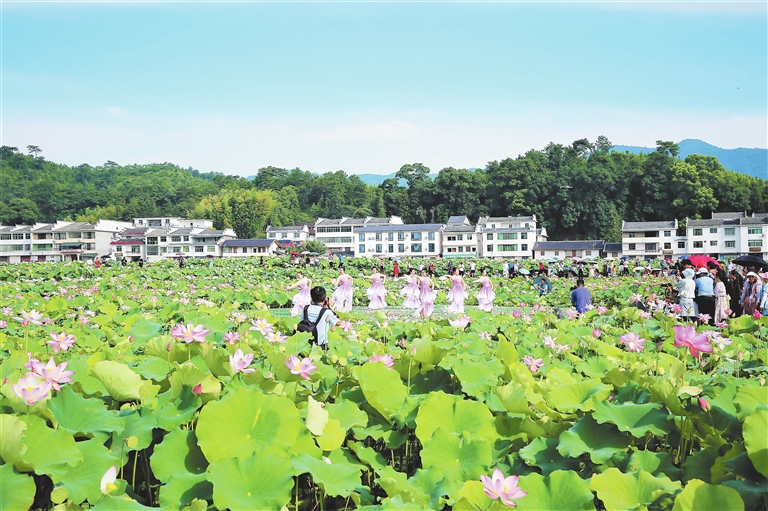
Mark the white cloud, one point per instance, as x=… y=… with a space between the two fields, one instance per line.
x=369 y=142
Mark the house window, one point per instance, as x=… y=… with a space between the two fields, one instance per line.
x=176 y=239
x=431 y=247
x=18 y=236
x=508 y=236
x=667 y=234
x=211 y=248
x=667 y=246
x=271 y=236
x=588 y=252
x=650 y=246
x=508 y=248
x=390 y=237
x=415 y=236
x=378 y=248
x=490 y=236
x=631 y=246
x=141 y=222
x=680 y=244
x=755 y=243
x=198 y=249
x=632 y=235
x=163 y=239
x=755 y=230
x=431 y=236
x=135 y=250
x=698 y=244
x=400 y=236
x=713 y=243
x=361 y=237
x=175 y=249
x=186 y=248
x=416 y=247
x=451 y=238
x=713 y=230
x=651 y=234
x=390 y=248
x=469 y=237
x=228 y=250
x=697 y=232
x=523 y=235
x=730 y=244
x=460 y=237
x=489 y=248
x=153 y=250
x=152 y=241
x=730 y=231
x=163 y=250
x=401 y=247
x=378 y=238
x=557 y=252
x=524 y=247
x=541 y=253
x=361 y=248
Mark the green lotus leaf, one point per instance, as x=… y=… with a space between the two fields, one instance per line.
x=317 y=416
x=749 y=398
x=17 y=491
x=558 y=490
x=428 y=487
x=458 y=457
x=699 y=465
x=245 y=421
x=471 y=496
x=336 y=479
x=756 y=439
x=601 y=441
x=144 y=330
x=261 y=481
x=512 y=397
x=636 y=419
x=542 y=452
x=173 y=411
x=595 y=367
x=368 y=456
x=178 y=453
x=476 y=377
x=82 y=381
x=401 y=493
x=82 y=481
x=190 y=376
x=48 y=451
x=657 y=463
x=701 y=496
x=347 y=414
x=56 y=304
x=578 y=396
x=636 y=490
x=184 y=487
x=153 y=369
x=81 y=416
x=139 y=424
x=751 y=492
x=12 y=447
x=382 y=387
x=119 y=380
x=333 y=436
x=454 y=414
x=119 y=503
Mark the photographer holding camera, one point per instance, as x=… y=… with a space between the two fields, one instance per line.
x=320 y=315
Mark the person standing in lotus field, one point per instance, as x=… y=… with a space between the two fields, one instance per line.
x=377 y=292
x=302 y=298
x=580 y=297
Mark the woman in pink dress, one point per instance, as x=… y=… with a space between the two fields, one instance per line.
x=342 y=296
x=486 y=296
x=302 y=298
x=457 y=294
x=411 y=292
x=427 y=296
x=376 y=292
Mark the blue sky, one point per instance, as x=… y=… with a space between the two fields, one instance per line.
x=367 y=87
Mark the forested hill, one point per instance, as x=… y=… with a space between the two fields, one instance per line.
x=753 y=162
x=578 y=191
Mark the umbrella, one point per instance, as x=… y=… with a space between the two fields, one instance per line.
x=552 y=261
x=306 y=252
x=541 y=278
x=624 y=258
x=702 y=260
x=313 y=253
x=639 y=268
x=750 y=260
x=576 y=259
x=523 y=271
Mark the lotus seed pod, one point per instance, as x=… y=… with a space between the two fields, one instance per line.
x=145 y=391
x=132 y=442
x=59 y=495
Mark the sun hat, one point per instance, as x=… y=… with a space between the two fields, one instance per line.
x=701 y=271
x=751 y=274
x=763 y=275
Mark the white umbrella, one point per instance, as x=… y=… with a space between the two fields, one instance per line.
x=306 y=252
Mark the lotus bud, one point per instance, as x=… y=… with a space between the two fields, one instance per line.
x=197 y=389
x=596 y=333
x=704 y=404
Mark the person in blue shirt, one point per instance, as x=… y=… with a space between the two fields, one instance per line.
x=580 y=297
x=705 y=294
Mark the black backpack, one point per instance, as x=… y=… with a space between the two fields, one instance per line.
x=305 y=325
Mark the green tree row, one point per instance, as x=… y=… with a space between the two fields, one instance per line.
x=577 y=191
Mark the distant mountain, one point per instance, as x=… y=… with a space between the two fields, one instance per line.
x=753 y=162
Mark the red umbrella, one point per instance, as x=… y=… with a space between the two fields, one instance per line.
x=702 y=260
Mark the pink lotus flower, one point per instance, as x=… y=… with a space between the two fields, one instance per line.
x=686 y=337
x=61 y=342
x=54 y=374
x=516 y=314
x=534 y=364
x=722 y=342
x=676 y=308
x=757 y=314
x=560 y=348
x=190 y=333
x=505 y=488
x=572 y=313
x=387 y=359
x=31 y=388
x=728 y=312
x=722 y=324
x=704 y=318
x=460 y=322
x=7 y=311
x=274 y=337
x=32 y=317
x=704 y=404
x=232 y=337
x=303 y=367
x=601 y=310
x=632 y=341
x=239 y=362
x=596 y=333
x=346 y=326
x=197 y=389
x=32 y=362
x=3 y=323
x=636 y=297
x=549 y=342
x=108 y=480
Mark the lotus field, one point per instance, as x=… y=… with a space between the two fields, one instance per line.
x=128 y=388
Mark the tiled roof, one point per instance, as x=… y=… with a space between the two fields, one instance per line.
x=184 y=231
x=286 y=228
x=458 y=228
x=400 y=227
x=353 y=221
x=459 y=219
x=487 y=219
x=247 y=243
x=570 y=245
x=712 y=222
x=641 y=226
x=74 y=227
x=613 y=247
x=730 y=214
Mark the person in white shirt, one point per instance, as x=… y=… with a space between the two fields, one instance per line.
x=328 y=320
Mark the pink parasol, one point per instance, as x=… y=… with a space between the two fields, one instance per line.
x=702 y=260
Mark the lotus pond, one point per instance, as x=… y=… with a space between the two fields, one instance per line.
x=189 y=390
